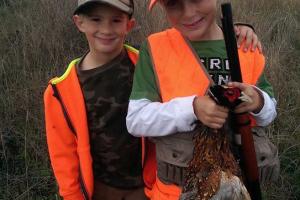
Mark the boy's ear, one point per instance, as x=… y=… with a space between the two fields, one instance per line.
x=131 y=24
x=78 y=21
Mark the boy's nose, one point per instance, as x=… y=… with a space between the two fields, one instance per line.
x=188 y=8
x=105 y=28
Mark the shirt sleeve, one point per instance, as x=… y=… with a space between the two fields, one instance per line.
x=153 y=119
x=144 y=82
x=268 y=112
x=265 y=85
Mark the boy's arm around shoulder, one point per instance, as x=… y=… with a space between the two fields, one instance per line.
x=62 y=147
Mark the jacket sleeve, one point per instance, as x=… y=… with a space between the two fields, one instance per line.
x=62 y=146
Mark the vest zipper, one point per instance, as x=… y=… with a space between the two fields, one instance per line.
x=57 y=95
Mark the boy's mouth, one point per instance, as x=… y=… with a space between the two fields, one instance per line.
x=105 y=40
x=194 y=25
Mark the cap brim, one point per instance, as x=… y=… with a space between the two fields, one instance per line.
x=114 y=3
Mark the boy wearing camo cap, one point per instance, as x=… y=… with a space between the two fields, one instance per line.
x=91 y=152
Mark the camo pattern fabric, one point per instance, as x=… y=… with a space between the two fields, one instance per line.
x=116 y=154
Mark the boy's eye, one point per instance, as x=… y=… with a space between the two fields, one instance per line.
x=196 y=1
x=176 y=4
x=95 y=19
x=171 y=3
x=117 y=20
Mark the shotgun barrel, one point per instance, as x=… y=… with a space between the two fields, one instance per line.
x=241 y=122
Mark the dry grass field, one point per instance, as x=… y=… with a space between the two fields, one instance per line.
x=38 y=40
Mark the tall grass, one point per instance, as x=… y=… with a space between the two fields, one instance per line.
x=35 y=45
x=38 y=39
x=277 y=23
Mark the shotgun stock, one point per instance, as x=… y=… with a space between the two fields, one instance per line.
x=241 y=121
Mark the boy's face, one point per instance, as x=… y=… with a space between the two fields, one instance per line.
x=193 y=18
x=105 y=28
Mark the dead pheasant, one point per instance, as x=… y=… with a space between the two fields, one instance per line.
x=213 y=173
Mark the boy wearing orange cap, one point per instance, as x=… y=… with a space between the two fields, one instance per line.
x=175 y=69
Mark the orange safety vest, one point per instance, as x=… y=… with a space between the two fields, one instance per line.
x=180 y=73
x=68 y=136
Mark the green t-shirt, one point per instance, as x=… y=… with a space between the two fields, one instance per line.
x=211 y=53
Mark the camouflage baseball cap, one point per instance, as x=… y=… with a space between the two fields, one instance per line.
x=124 y=5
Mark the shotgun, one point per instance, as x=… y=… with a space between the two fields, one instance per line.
x=241 y=122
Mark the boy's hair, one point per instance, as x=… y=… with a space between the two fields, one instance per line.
x=86 y=6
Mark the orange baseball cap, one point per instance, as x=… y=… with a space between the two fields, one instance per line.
x=152 y=3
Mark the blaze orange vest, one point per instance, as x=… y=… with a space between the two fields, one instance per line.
x=180 y=72
x=68 y=136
